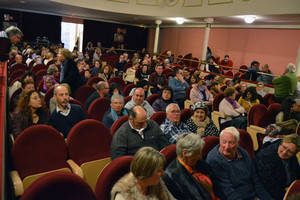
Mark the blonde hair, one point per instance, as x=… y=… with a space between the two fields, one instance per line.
x=145 y=162
x=66 y=53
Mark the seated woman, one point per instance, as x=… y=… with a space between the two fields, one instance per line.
x=194 y=79
x=200 y=93
x=31 y=111
x=215 y=89
x=97 y=67
x=165 y=99
x=129 y=76
x=48 y=82
x=143 y=73
x=106 y=73
x=200 y=123
x=277 y=166
x=235 y=113
x=249 y=98
x=188 y=176
x=144 y=179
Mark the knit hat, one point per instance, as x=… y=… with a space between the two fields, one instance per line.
x=199 y=105
x=295 y=139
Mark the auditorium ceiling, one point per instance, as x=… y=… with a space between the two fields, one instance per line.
x=145 y=12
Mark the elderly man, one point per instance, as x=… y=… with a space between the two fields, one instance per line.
x=277 y=165
x=66 y=115
x=117 y=110
x=102 y=89
x=11 y=35
x=136 y=133
x=173 y=127
x=189 y=177
x=18 y=60
x=138 y=98
x=234 y=169
x=286 y=84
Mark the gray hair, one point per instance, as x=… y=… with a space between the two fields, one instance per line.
x=100 y=85
x=291 y=67
x=116 y=96
x=51 y=69
x=169 y=106
x=189 y=142
x=13 y=30
x=233 y=131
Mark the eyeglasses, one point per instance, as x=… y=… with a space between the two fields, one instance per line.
x=287 y=149
x=175 y=111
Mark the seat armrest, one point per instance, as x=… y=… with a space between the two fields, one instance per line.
x=17 y=183
x=75 y=168
x=215 y=116
x=253 y=131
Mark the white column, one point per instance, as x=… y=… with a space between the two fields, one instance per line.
x=298 y=63
x=158 y=22
x=205 y=41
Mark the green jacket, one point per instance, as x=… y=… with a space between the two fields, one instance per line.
x=285 y=85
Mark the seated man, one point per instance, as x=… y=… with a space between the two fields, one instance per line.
x=136 y=133
x=102 y=89
x=138 y=98
x=264 y=77
x=234 y=169
x=66 y=115
x=173 y=127
x=277 y=165
x=158 y=80
x=226 y=62
x=251 y=74
x=188 y=176
x=117 y=110
x=18 y=60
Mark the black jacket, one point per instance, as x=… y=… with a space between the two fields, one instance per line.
x=71 y=75
x=183 y=185
x=271 y=171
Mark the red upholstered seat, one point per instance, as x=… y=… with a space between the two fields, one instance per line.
x=168 y=72
x=93 y=80
x=38 y=149
x=59 y=186
x=98 y=108
x=256 y=115
x=88 y=140
x=49 y=94
x=110 y=175
x=152 y=98
x=246 y=142
x=127 y=89
x=13 y=96
x=229 y=73
x=38 y=67
x=159 y=117
x=187 y=92
x=243 y=68
x=75 y=101
x=210 y=143
x=170 y=153
x=268 y=99
x=83 y=93
x=186 y=114
x=217 y=101
x=294 y=189
x=39 y=75
x=273 y=110
x=16 y=74
x=18 y=66
x=126 y=99
x=119 y=81
x=117 y=124
x=237 y=74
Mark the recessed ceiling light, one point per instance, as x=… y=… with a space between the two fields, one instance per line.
x=249 y=19
x=179 y=20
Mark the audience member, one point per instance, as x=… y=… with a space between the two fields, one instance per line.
x=11 y=35
x=226 y=63
x=215 y=89
x=234 y=169
x=172 y=126
x=137 y=132
x=115 y=112
x=179 y=85
x=106 y=72
x=251 y=74
x=200 y=123
x=120 y=64
x=249 y=98
x=194 y=79
x=188 y=176
x=142 y=84
x=143 y=73
x=138 y=98
x=260 y=89
x=277 y=165
x=102 y=89
x=286 y=84
x=66 y=115
x=144 y=179
x=264 y=77
x=18 y=61
x=97 y=54
x=129 y=76
x=212 y=66
x=28 y=76
x=165 y=99
x=235 y=113
x=157 y=79
x=114 y=89
x=31 y=110
x=48 y=82
x=96 y=69
x=200 y=92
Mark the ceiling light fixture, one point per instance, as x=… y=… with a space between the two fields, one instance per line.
x=179 y=20
x=249 y=19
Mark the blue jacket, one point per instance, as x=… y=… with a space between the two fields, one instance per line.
x=178 y=88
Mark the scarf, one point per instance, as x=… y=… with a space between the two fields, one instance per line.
x=115 y=116
x=232 y=102
x=201 y=125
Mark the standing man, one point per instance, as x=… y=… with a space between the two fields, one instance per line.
x=11 y=35
x=179 y=85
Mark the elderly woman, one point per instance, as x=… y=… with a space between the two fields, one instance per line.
x=200 y=123
x=143 y=182
x=106 y=73
x=277 y=165
x=116 y=111
x=199 y=92
x=235 y=113
x=31 y=111
x=249 y=98
x=189 y=177
x=165 y=99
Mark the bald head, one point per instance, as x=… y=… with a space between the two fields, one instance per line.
x=18 y=59
x=139 y=96
x=138 y=117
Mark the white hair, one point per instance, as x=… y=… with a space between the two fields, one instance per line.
x=190 y=142
x=291 y=67
x=169 y=106
x=233 y=131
